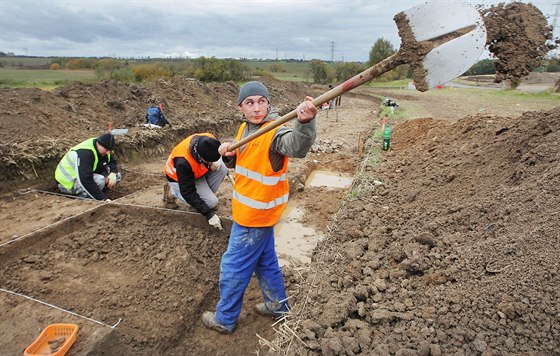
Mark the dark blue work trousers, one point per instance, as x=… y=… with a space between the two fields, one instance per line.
x=250 y=249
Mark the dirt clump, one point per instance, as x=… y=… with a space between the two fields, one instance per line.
x=519 y=37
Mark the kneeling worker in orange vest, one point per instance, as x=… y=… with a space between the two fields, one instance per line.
x=260 y=195
x=194 y=172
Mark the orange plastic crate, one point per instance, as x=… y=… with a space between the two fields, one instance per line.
x=53 y=332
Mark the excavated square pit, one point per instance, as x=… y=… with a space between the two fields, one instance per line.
x=154 y=269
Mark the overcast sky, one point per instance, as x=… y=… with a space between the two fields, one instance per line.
x=263 y=29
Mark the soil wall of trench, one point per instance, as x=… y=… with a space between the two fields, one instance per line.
x=39 y=127
x=450 y=246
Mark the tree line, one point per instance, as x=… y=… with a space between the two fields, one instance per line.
x=219 y=70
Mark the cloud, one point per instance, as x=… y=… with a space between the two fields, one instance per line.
x=252 y=29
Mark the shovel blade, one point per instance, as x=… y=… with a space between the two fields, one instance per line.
x=438 y=18
x=448 y=60
x=451 y=59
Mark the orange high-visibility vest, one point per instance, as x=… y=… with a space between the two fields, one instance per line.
x=183 y=150
x=260 y=194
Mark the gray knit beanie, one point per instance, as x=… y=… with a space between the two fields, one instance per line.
x=252 y=88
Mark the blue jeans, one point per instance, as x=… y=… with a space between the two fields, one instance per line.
x=250 y=249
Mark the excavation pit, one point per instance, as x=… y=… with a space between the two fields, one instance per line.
x=296 y=237
x=151 y=268
x=329 y=179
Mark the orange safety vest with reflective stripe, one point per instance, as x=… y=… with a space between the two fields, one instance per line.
x=260 y=194
x=183 y=150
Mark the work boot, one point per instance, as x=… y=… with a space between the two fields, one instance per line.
x=169 y=200
x=209 y=320
x=276 y=310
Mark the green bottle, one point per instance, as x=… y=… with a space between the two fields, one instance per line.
x=386 y=137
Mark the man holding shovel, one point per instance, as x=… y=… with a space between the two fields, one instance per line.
x=263 y=146
x=260 y=196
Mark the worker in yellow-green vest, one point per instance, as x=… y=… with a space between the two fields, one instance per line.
x=89 y=168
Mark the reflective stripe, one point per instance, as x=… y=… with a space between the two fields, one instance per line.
x=259 y=204
x=266 y=180
x=66 y=174
x=170 y=170
x=71 y=161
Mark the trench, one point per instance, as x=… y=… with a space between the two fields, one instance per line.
x=295 y=239
x=150 y=270
x=122 y=263
x=131 y=269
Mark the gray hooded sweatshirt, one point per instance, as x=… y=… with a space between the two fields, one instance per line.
x=294 y=143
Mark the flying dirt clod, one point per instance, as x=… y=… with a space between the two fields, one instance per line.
x=519 y=37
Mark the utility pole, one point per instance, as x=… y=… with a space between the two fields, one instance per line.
x=332 y=51
x=555 y=21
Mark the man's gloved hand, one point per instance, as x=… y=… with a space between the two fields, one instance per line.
x=215 y=165
x=214 y=221
x=112 y=180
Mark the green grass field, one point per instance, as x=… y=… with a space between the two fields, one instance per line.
x=42 y=78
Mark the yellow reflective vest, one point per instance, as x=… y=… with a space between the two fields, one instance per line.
x=67 y=171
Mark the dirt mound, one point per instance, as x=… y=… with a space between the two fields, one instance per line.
x=450 y=247
x=40 y=126
x=519 y=36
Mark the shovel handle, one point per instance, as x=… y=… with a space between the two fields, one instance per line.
x=384 y=66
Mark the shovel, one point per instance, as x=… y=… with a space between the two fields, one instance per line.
x=440 y=40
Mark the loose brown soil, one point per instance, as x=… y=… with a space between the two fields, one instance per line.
x=519 y=37
x=455 y=253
